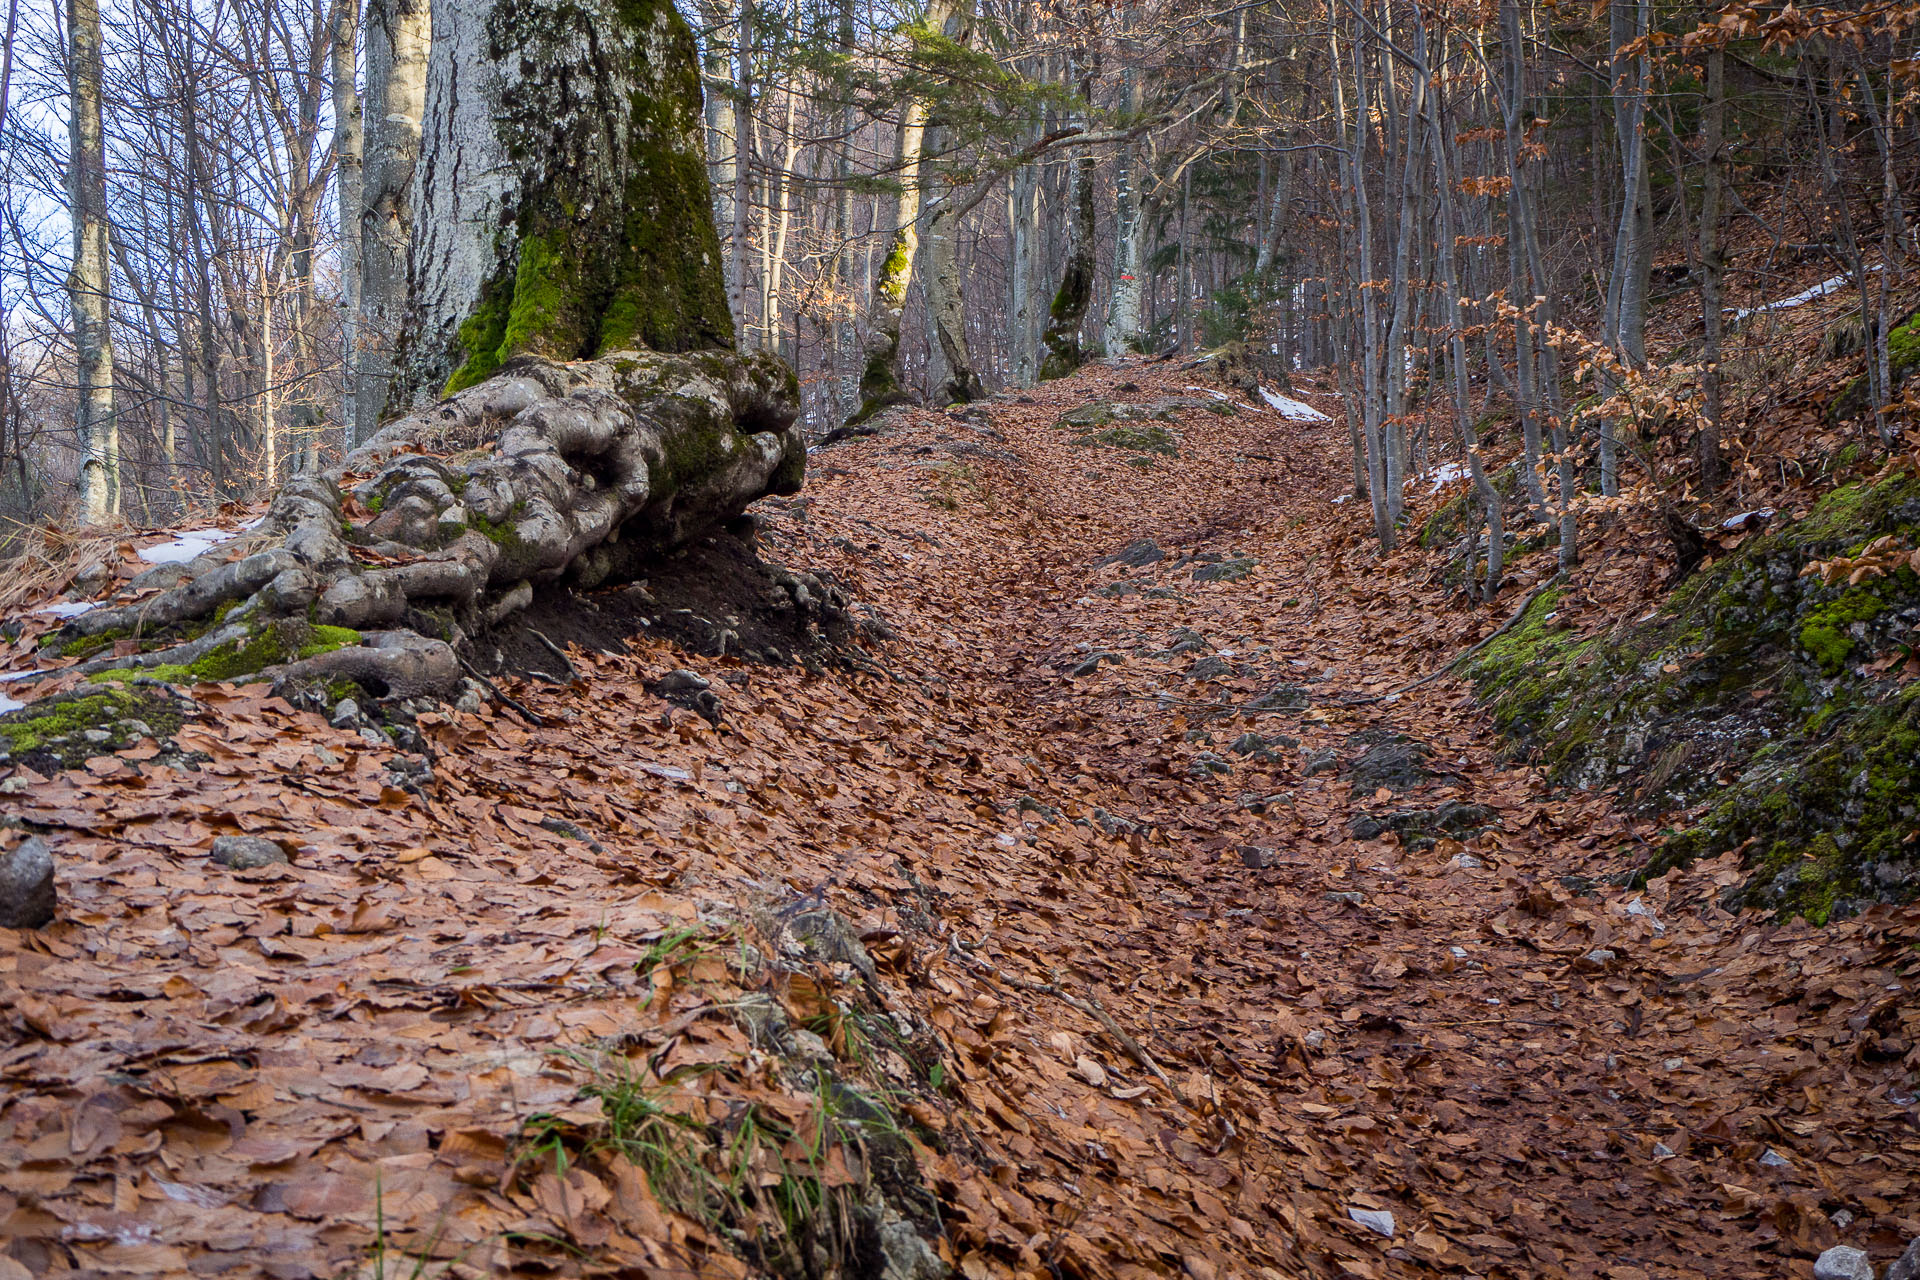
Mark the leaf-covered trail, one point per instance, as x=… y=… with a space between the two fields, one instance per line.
x=1066 y=876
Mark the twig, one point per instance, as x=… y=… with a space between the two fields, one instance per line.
x=499 y=693
x=566 y=663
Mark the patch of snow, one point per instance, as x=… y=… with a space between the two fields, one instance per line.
x=1800 y=299
x=66 y=608
x=1442 y=476
x=192 y=543
x=1342 y=498
x=1375 y=1220
x=9 y=704
x=1217 y=395
x=1734 y=522
x=1291 y=409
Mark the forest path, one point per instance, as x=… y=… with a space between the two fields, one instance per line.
x=1067 y=856
x=1536 y=1072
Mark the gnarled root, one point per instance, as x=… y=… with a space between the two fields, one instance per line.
x=545 y=472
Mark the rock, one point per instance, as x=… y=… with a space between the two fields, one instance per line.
x=691 y=690
x=1467 y=862
x=246 y=853
x=1320 y=762
x=1645 y=912
x=1376 y=1220
x=1772 y=1159
x=1208 y=668
x=1186 y=640
x=26 y=885
x=1207 y=763
x=1254 y=858
x=1314 y=1038
x=1599 y=958
x=682 y=681
x=1112 y=825
x=1284 y=696
x=346 y=714
x=1136 y=555
x=1907 y=1267
x=1843 y=1262
x=1226 y=571
x=1418 y=828
x=1396 y=764
x=1351 y=899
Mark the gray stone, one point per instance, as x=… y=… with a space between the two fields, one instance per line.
x=346 y=714
x=1226 y=571
x=1254 y=858
x=244 y=853
x=682 y=681
x=1843 y=1262
x=26 y=885
x=1772 y=1159
x=1207 y=763
x=1208 y=668
x=1320 y=762
x=1352 y=899
x=1137 y=555
x=1396 y=765
x=1088 y=667
x=1599 y=957
x=1376 y=1220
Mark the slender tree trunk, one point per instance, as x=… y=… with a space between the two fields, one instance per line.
x=398 y=37
x=722 y=139
x=347 y=157
x=1488 y=496
x=742 y=202
x=1633 y=241
x=1712 y=264
x=1123 y=302
x=88 y=283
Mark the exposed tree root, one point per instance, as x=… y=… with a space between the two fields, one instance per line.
x=443 y=523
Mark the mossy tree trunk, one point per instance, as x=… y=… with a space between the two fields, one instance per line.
x=566 y=297
x=1070 y=303
x=564 y=209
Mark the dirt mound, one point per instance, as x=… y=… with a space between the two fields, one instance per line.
x=715 y=597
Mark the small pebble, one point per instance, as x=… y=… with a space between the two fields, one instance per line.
x=245 y=853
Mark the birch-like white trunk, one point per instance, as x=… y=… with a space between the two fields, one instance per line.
x=398 y=36
x=88 y=283
x=343 y=34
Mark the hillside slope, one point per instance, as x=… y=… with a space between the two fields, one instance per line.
x=1123 y=914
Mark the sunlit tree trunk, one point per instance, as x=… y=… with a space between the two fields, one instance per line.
x=88 y=282
x=343 y=34
x=398 y=36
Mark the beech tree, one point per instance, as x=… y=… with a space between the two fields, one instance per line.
x=571 y=309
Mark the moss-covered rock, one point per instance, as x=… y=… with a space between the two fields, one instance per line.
x=1762 y=706
x=1903 y=361
x=66 y=730
x=1138 y=439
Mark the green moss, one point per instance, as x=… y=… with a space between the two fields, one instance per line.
x=1139 y=439
x=1827 y=633
x=280 y=642
x=50 y=733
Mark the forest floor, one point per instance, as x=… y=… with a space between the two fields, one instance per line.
x=1196 y=937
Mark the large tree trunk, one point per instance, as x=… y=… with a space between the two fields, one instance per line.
x=880 y=370
x=565 y=229
x=397 y=47
x=1071 y=301
x=87 y=286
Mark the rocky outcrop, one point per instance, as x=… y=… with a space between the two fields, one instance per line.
x=1771 y=710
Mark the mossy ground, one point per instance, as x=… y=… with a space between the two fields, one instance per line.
x=1139 y=439
x=1753 y=704
x=52 y=734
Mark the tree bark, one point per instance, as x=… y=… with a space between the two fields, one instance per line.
x=1712 y=265
x=1071 y=301
x=347 y=158
x=563 y=205
x=88 y=282
x=397 y=44
x=1123 y=303
x=577 y=453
